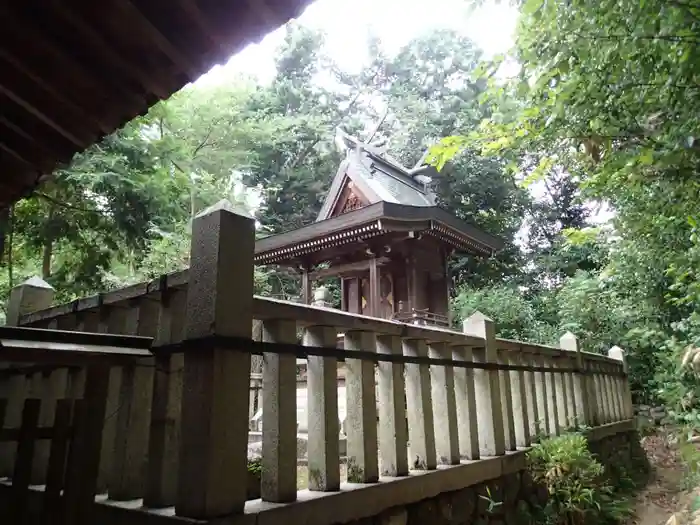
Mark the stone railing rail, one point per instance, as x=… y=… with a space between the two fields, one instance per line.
x=179 y=434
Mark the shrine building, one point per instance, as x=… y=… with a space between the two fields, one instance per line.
x=382 y=234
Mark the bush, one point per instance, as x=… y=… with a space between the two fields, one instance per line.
x=579 y=491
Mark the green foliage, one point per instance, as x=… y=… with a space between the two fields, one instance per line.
x=690 y=456
x=516 y=316
x=255 y=466
x=579 y=492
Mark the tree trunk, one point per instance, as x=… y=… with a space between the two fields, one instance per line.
x=46 y=259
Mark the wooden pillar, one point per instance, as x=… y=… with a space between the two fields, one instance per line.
x=393 y=438
x=466 y=405
x=444 y=406
x=361 y=403
x=487 y=385
x=421 y=428
x=213 y=474
x=374 y=293
x=322 y=412
x=164 y=437
x=306 y=294
x=279 y=439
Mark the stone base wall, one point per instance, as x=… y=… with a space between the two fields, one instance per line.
x=512 y=499
x=648 y=415
x=492 y=491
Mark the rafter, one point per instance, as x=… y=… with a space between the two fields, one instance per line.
x=7 y=149
x=40 y=151
x=47 y=145
x=263 y=11
x=94 y=39
x=80 y=142
x=158 y=39
x=46 y=87
x=30 y=37
x=195 y=14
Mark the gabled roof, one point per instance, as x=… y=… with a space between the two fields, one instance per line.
x=373 y=221
x=378 y=178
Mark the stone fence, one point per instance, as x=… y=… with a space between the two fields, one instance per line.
x=445 y=411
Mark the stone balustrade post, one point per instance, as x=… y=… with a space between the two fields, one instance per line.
x=127 y=479
x=611 y=380
x=569 y=342
x=164 y=436
x=393 y=437
x=322 y=410
x=531 y=396
x=421 y=428
x=361 y=404
x=279 y=417
x=552 y=401
x=113 y=320
x=541 y=396
x=30 y=296
x=467 y=423
x=625 y=392
x=487 y=387
x=562 y=393
x=444 y=406
x=599 y=393
x=519 y=400
x=506 y=402
x=213 y=472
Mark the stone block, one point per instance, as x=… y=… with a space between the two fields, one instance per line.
x=444 y=504
x=397 y=516
x=463 y=506
x=511 y=489
x=424 y=512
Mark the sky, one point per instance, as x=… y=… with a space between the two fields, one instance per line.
x=395 y=22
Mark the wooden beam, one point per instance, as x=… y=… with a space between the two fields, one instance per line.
x=346 y=268
x=18 y=69
x=16 y=155
x=374 y=293
x=44 y=154
x=195 y=14
x=263 y=12
x=82 y=142
x=158 y=39
x=25 y=34
x=99 y=43
x=305 y=286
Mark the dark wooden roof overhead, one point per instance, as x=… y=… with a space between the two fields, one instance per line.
x=373 y=221
x=74 y=71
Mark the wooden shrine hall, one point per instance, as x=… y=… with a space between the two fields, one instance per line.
x=381 y=232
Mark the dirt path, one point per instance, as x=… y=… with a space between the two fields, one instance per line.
x=663 y=496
